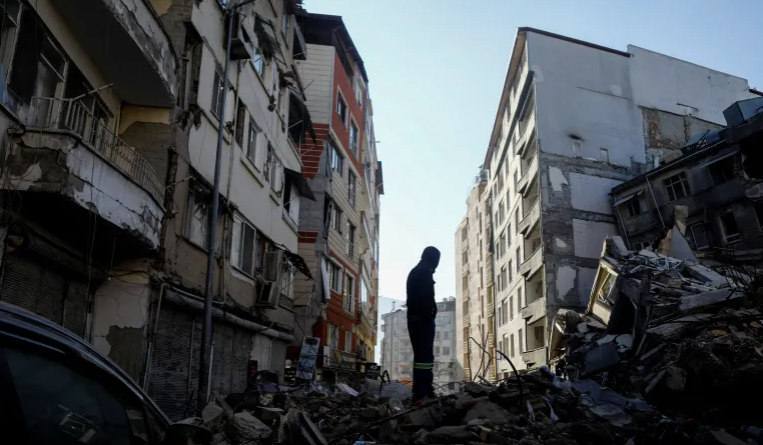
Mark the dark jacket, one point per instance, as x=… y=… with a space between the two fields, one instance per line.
x=420 y=286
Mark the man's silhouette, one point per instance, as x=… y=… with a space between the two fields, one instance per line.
x=422 y=311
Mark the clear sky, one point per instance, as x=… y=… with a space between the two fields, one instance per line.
x=436 y=69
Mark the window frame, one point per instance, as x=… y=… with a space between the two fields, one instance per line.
x=253 y=138
x=733 y=237
x=217 y=94
x=694 y=236
x=354 y=133
x=342 y=111
x=191 y=195
x=337 y=160
x=671 y=183
x=335 y=271
x=255 y=262
x=259 y=56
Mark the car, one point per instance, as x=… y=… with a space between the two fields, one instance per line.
x=55 y=388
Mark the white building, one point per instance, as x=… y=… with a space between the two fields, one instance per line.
x=574 y=120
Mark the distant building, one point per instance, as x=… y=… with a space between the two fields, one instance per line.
x=397 y=352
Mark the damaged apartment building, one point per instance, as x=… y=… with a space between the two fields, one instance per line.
x=574 y=120
x=111 y=111
x=339 y=237
x=705 y=192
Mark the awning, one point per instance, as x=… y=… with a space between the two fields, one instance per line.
x=720 y=158
x=295 y=178
x=265 y=32
x=628 y=198
x=298 y=262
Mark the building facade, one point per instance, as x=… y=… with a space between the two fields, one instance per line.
x=340 y=237
x=396 y=349
x=111 y=113
x=708 y=186
x=552 y=166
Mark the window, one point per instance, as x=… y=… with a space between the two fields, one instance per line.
x=333 y=336
x=351 y=229
x=284 y=24
x=520 y=342
x=197 y=217
x=341 y=108
x=502 y=276
x=722 y=171
x=505 y=349
x=348 y=342
x=63 y=405
x=500 y=348
x=251 y=144
x=240 y=121
x=511 y=343
x=349 y=294
x=258 y=62
x=359 y=91
x=337 y=161
x=635 y=207
x=511 y=272
x=335 y=277
x=729 y=226
x=677 y=187
x=519 y=257
x=540 y=337
x=577 y=148
x=352 y=188
x=519 y=300
x=336 y=218
x=242 y=246
x=516 y=220
x=505 y=308
x=508 y=238
x=446 y=335
x=445 y=350
x=698 y=236
x=353 y=138
x=511 y=308
x=217 y=94
x=436 y=350
x=437 y=335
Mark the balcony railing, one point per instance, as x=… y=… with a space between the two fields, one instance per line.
x=490 y=309
x=530 y=218
x=466 y=320
x=534 y=310
x=527 y=176
x=533 y=263
x=61 y=114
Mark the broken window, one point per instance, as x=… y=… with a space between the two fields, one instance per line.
x=698 y=236
x=540 y=337
x=635 y=207
x=242 y=245
x=217 y=94
x=677 y=187
x=197 y=217
x=258 y=62
x=722 y=171
x=341 y=108
x=729 y=226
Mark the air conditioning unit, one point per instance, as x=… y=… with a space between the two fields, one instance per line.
x=272 y=266
x=241 y=45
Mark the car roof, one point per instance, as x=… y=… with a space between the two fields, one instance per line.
x=22 y=322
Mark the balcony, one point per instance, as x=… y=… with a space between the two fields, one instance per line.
x=466 y=321
x=490 y=309
x=465 y=293
x=527 y=178
x=78 y=156
x=534 y=311
x=128 y=44
x=530 y=219
x=532 y=264
x=536 y=357
x=489 y=275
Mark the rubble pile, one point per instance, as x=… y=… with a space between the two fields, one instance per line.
x=685 y=338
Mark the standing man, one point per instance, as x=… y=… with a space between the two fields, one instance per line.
x=422 y=311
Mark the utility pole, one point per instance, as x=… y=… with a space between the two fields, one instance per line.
x=206 y=331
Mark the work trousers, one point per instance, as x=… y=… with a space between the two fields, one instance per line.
x=421 y=331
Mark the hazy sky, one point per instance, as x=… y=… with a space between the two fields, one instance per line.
x=436 y=69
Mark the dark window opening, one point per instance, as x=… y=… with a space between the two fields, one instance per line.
x=722 y=170
x=635 y=207
x=730 y=228
x=341 y=109
x=677 y=187
x=698 y=236
x=240 y=118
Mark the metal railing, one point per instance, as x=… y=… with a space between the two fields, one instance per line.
x=46 y=113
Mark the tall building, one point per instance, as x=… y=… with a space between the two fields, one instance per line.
x=340 y=237
x=111 y=112
x=397 y=351
x=574 y=120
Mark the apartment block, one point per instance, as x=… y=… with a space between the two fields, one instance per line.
x=340 y=235
x=111 y=111
x=574 y=120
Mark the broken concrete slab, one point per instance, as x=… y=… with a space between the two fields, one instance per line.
x=488 y=411
x=705 y=275
x=690 y=303
x=451 y=435
x=246 y=427
x=601 y=357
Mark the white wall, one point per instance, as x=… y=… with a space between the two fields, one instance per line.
x=317 y=73
x=589 y=237
x=591 y=193
x=587 y=93
x=680 y=87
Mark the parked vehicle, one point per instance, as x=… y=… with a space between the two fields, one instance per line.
x=55 y=388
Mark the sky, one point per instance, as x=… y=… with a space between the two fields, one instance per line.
x=436 y=70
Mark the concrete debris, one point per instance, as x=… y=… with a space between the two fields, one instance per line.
x=672 y=334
